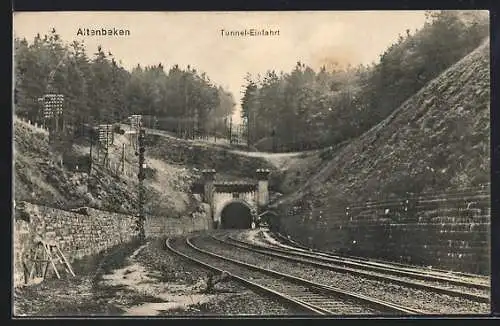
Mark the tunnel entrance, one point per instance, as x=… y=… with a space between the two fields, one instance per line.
x=236 y=215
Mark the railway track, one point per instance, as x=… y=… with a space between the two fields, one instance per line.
x=419 y=298
x=439 y=284
x=463 y=278
x=305 y=295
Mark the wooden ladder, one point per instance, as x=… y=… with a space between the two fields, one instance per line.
x=49 y=253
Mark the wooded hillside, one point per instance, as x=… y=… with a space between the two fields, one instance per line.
x=306 y=109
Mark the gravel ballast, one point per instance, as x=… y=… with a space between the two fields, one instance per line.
x=427 y=301
x=136 y=280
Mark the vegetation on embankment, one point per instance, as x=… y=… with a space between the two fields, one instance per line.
x=38 y=178
x=438 y=140
x=172 y=166
x=97 y=89
x=299 y=169
x=228 y=164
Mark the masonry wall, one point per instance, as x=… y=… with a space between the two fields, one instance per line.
x=78 y=234
x=450 y=231
x=156 y=227
x=87 y=231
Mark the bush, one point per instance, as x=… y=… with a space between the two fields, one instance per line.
x=73 y=160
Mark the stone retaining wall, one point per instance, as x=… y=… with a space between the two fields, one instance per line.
x=448 y=231
x=84 y=232
x=78 y=233
x=156 y=227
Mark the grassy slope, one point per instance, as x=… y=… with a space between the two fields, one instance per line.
x=297 y=170
x=237 y=163
x=230 y=165
x=437 y=140
x=37 y=179
x=174 y=163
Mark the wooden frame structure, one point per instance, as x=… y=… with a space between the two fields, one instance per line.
x=48 y=254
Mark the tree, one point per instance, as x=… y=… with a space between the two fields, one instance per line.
x=309 y=109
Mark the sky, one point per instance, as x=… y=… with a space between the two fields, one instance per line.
x=195 y=38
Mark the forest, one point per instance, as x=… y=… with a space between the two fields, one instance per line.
x=282 y=111
x=307 y=109
x=98 y=90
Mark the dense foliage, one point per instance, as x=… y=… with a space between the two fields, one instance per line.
x=100 y=89
x=308 y=109
x=302 y=109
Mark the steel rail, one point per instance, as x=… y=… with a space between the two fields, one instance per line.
x=375 y=262
x=376 y=268
x=251 y=284
x=373 y=302
x=360 y=272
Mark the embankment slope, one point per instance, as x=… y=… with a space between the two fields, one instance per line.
x=39 y=179
x=438 y=140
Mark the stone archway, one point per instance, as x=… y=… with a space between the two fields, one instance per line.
x=236 y=214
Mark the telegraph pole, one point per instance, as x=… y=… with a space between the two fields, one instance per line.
x=52 y=104
x=113 y=83
x=186 y=113
x=250 y=131
x=91 y=143
x=215 y=132
x=106 y=155
x=141 y=176
x=230 y=129
x=123 y=159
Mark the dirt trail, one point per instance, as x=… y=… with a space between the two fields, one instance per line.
x=279 y=160
x=164 y=296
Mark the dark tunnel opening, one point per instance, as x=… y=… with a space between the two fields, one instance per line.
x=236 y=216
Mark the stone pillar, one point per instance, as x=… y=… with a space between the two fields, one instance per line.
x=209 y=189
x=208 y=185
x=262 y=187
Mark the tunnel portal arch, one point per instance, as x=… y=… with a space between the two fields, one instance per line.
x=252 y=196
x=237 y=214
